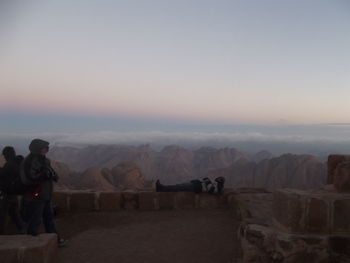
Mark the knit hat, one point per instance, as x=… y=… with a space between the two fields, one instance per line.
x=37 y=145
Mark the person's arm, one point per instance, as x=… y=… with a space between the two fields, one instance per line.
x=36 y=172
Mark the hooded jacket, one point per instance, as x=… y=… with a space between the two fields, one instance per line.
x=38 y=171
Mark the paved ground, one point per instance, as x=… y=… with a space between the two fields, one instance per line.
x=186 y=236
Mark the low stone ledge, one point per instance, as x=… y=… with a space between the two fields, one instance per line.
x=110 y=201
x=87 y=201
x=148 y=201
x=61 y=199
x=130 y=200
x=28 y=249
x=166 y=200
x=185 y=200
x=332 y=163
x=313 y=212
x=83 y=201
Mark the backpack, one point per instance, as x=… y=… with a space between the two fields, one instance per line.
x=10 y=179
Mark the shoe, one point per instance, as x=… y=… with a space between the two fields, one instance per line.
x=61 y=242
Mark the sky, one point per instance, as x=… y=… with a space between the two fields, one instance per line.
x=236 y=67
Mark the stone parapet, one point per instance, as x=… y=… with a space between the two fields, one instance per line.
x=312 y=212
x=87 y=201
x=28 y=249
x=333 y=161
x=265 y=244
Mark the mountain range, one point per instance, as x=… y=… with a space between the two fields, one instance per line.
x=108 y=167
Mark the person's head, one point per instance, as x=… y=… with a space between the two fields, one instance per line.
x=9 y=153
x=38 y=146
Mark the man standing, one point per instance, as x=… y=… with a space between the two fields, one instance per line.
x=9 y=200
x=37 y=204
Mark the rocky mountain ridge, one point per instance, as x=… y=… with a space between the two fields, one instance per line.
x=175 y=164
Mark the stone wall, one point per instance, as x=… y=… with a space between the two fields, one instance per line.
x=83 y=201
x=299 y=226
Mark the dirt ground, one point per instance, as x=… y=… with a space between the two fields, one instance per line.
x=186 y=236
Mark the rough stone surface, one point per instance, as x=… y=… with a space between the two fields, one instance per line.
x=288 y=210
x=166 y=200
x=28 y=249
x=148 y=201
x=333 y=161
x=82 y=201
x=341 y=216
x=185 y=200
x=317 y=218
x=265 y=244
x=61 y=200
x=209 y=201
x=341 y=177
x=110 y=201
x=130 y=200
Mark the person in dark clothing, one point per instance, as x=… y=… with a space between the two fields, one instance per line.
x=37 y=204
x=196 y=186
x=9 y=202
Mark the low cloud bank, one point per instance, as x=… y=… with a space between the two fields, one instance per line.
x=306 y=142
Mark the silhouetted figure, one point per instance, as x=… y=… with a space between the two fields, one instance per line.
x=37 y=204
x=196 y=186
x=9 y=202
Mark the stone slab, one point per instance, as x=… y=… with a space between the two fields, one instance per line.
x=82 y=201
x=28 y=249
x=341 y=177
x=209 y=201
x=317 y=217
x=166 y=200
x=341 y=216
x=185 y=200
x=148 y=201
x=332 y=163
x=61 y=200
x=130 y=200
x=110 y=201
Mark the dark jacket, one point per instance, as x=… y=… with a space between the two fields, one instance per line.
x=39 y=173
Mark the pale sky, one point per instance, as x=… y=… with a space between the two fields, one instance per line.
x=259 y=62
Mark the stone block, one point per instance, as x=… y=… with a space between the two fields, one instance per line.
x=341 y=216
x=332 y=163
x=110 y=201
x=61 y=200
x=341 y=177
x=317 y=217
x=148 y=201
x=185 y=200
x=41 y=250
x=289 y=210
x=28 y=249
x=130 y=200
x=340 y=245
x=82 y=202
x=166 y=200
x=209 y=201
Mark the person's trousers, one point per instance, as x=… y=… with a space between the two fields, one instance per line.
x=37 y=211
x=9 y=206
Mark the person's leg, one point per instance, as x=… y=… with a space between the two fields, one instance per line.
x=49 y=220
x=186 y=187
x=14 y=214
x=32 y=215
x=3 y=213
